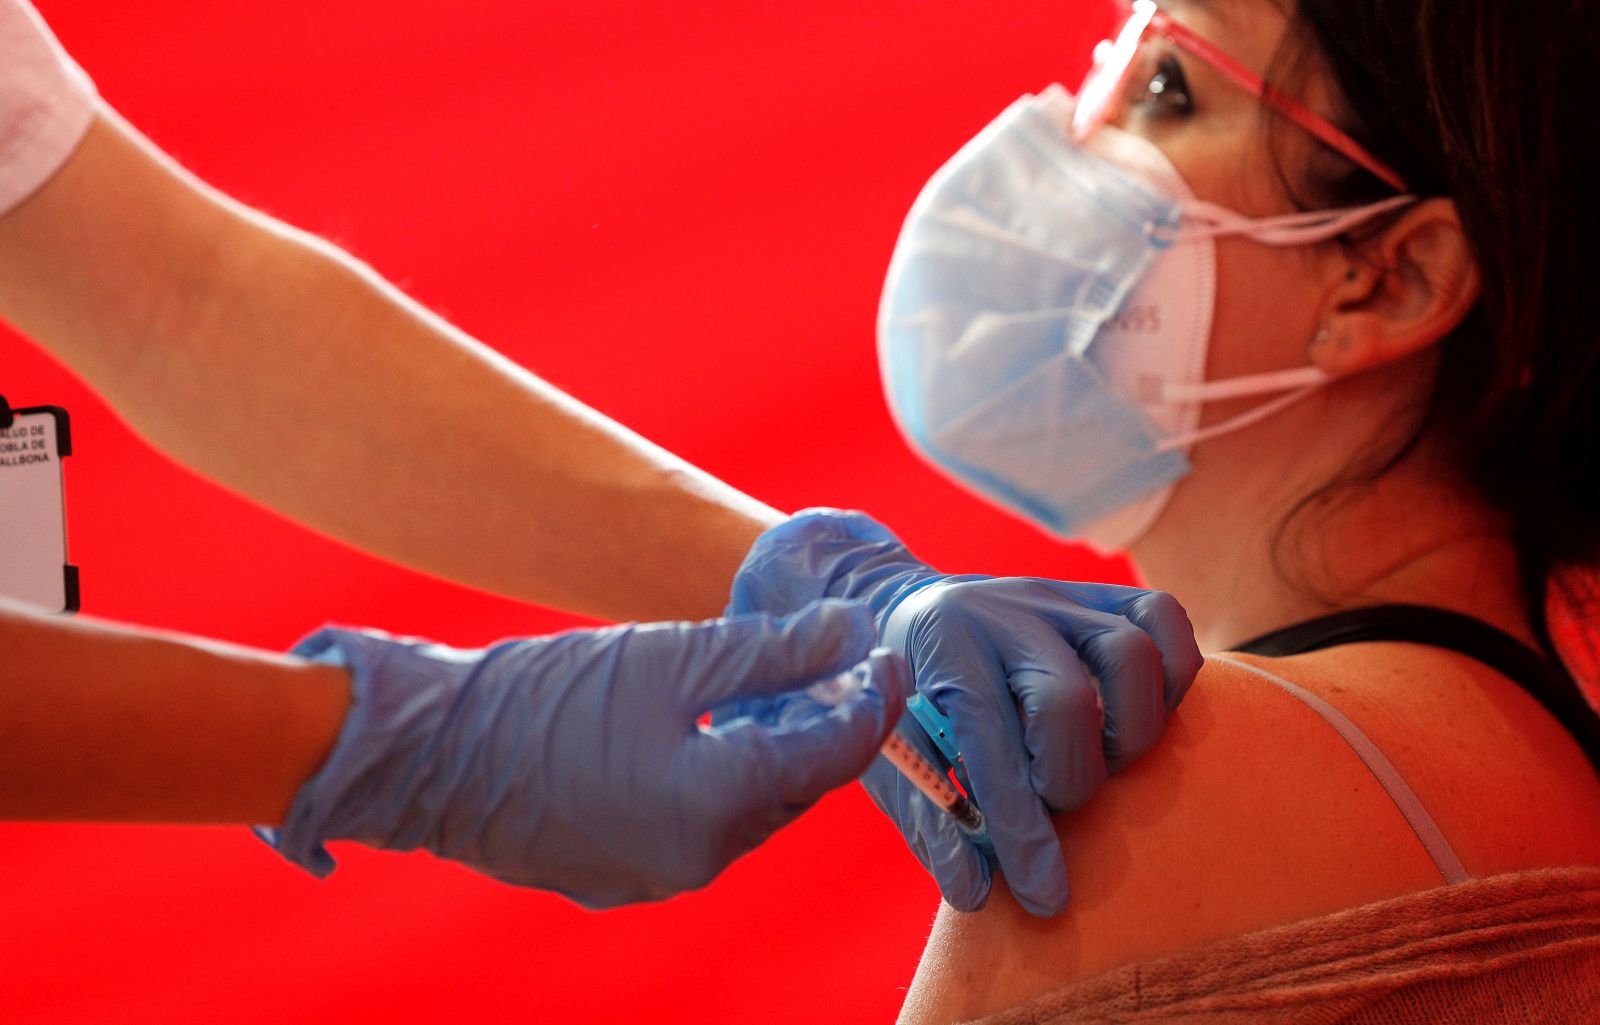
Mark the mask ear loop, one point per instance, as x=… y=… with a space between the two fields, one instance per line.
x=1304 y=381
x=1202 y=220
x=1242 y=387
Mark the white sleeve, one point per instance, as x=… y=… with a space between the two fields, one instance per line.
x=46 y=103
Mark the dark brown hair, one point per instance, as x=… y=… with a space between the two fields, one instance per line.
x=1491 y=103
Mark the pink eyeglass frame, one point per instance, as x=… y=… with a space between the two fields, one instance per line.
x=1109 y=78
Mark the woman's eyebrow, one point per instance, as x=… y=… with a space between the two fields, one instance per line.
x=1206 y=7
x=1218 y=9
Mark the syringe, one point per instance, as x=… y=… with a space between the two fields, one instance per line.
x=920 y=772
x=927 y=779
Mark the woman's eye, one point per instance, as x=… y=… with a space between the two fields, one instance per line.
x=1166 y=91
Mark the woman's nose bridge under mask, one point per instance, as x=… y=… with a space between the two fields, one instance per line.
x=1045 y=321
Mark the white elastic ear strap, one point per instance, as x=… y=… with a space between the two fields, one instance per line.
x=1303 y=381
x=1240 y=387
x=1208 y=220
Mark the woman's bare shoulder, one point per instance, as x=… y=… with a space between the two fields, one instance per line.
x=1493 y=768
x=1253 y=811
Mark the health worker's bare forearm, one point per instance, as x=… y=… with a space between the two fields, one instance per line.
x=280 y=367
x=99 y=723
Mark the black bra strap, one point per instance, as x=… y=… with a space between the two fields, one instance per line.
x=1421 y=624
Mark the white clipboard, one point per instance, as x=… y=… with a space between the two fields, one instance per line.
x=33 y=513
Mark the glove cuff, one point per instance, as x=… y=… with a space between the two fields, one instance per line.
x=824 y=553
x=330 y=805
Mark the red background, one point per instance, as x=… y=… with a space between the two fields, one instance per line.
x=679 y=212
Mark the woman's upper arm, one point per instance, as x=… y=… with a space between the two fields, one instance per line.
x=1251 y=812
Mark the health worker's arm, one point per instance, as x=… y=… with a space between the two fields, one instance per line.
x=106 y=724
x=404 y=744
x=281 y=367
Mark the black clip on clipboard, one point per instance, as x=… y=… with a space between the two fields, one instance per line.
x=33 y=519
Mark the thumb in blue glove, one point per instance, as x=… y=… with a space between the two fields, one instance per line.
x=574 y=763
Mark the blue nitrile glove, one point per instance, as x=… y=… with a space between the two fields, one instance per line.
x=1013 y=662
x=574 y=763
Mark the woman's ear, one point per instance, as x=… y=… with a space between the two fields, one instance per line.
x=1407 y=288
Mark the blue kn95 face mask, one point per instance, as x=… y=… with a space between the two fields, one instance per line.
x=1043 y=330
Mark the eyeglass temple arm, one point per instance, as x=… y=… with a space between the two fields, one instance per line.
x=1287 y=105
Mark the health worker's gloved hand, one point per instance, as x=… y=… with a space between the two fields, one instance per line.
x=1049 y=687
x=575 y=763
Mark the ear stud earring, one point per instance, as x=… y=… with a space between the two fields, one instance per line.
x=1320 y=339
